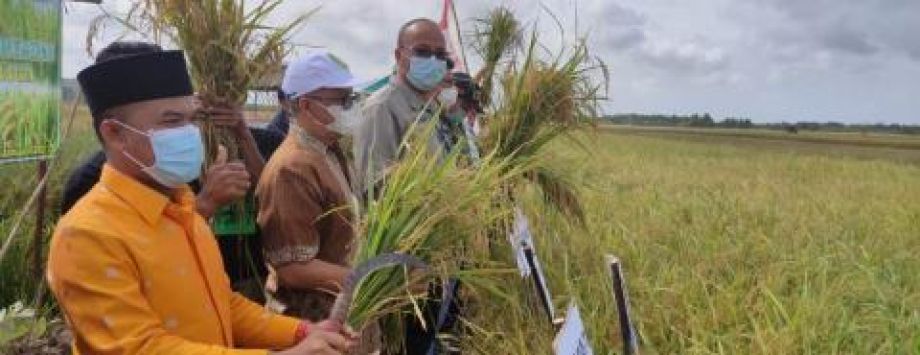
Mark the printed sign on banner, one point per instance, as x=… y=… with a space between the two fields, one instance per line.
x=572 y=339
x=30 y=93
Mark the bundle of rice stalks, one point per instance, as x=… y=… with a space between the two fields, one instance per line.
x=542 y=101
x=227 y=45
x=495 y=36
x=429 y=207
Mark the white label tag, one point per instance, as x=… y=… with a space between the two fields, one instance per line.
x=572 y=339
x=520 y=239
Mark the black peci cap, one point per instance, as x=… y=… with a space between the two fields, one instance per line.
x=135 y=78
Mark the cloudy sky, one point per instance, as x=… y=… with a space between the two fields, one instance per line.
x=769 y=60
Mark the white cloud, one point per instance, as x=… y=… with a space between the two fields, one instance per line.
x=764 y=59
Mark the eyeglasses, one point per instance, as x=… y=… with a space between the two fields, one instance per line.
x=346 y=101
x=441 y=54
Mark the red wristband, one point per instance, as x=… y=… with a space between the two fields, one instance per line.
x=303 y=329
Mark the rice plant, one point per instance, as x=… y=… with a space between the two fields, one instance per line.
x=540 y=101
x=228 y=44
x=495 y=37
x=430 y=207
x=450 y=214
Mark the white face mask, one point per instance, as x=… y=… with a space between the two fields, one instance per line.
x=448 y=97
x=178 y=154
x=345 y=120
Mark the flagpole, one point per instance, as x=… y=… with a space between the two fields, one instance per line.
x=453 y=9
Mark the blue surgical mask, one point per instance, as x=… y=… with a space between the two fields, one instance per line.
x=178 y=154
x=426 y=74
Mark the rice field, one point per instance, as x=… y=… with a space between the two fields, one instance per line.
x=728 y=247
x=736 y=248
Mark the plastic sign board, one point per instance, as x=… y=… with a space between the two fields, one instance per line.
x=525 y=256
x=30 y=71
x=572 y=338
x=520 y=239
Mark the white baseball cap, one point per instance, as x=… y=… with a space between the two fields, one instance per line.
x=314 y=70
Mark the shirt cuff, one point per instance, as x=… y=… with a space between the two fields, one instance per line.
x=303 y=330
x=283 y=331
x=291 y=254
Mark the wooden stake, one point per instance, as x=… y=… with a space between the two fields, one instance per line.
x=38 y=237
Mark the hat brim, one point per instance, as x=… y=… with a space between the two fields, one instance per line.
x=352 y=83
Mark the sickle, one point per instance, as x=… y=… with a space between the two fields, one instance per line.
x=339 y=312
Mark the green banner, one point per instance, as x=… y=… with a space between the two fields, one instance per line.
x=30 y=71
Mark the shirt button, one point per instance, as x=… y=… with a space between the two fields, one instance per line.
x=171 y=323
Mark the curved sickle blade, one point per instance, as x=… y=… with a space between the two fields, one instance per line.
x=339 y=312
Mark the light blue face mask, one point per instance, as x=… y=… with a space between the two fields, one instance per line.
x=178 y=154
x=426 y=74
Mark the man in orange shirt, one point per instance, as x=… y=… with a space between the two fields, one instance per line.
x=134 y=267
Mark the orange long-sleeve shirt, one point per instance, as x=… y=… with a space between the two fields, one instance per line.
x=136 y=273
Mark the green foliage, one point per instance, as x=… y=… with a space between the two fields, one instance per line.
x=17 y=321
x=19 y=181
x=430 y=207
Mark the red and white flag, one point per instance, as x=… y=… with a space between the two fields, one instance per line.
x=452 y=34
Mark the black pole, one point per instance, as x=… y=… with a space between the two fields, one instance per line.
x=630 y=343
x=539 y=283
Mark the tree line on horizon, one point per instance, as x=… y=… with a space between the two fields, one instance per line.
x=705 y=120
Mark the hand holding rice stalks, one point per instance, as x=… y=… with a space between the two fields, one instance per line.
x=429 y=207
x=227 y=45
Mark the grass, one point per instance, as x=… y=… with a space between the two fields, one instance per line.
x=731 y=249
x=18 y=181
x=872 y=140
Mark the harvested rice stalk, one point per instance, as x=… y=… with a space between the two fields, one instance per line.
x=228 y=45
x=542 y=101
x=495 y=36
x=342 y=305
x=432 y=208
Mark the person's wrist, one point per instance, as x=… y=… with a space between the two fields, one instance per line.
x=241 y=129
x=302 y=331
x=206 y=205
